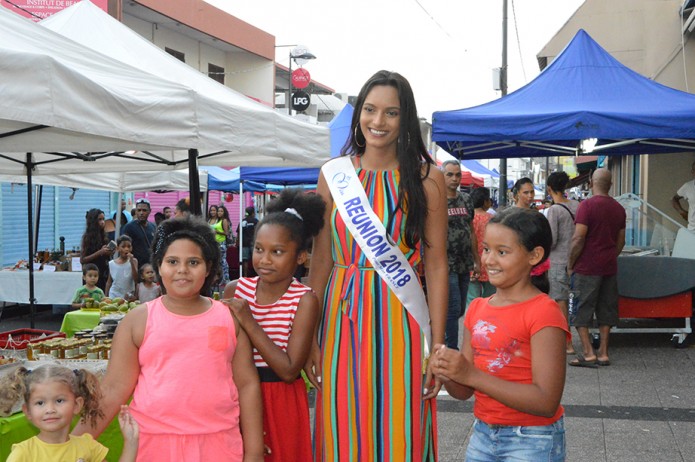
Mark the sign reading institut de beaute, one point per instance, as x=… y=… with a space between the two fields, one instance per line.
x=40 y=9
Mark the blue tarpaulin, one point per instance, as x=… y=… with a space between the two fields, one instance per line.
x=340 y=129
x=585 y=93
x=260 y=178
x=476 y=167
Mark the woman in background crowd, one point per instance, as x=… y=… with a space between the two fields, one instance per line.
x=212 y=215
x=221 y=228
x=94 y=247
x=561 y=218
x=523 y=193
x=480 y=286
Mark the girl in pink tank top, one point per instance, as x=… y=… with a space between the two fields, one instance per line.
x=278 y=314
x=183 y=359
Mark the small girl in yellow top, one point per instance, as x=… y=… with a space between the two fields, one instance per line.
x=53 y=395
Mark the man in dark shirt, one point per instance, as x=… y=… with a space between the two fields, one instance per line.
x=248 y=231
x=461 y=241
x=141 y=232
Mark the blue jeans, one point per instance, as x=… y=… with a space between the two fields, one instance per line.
x=492 y=443
x=458 y=289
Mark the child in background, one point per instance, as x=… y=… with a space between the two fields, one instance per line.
x=513 y=355
x=278 y=314
x=123 y=271
x=53 y=395
x=480 y=286
x=90 y=276
x=147 y=289
x=186 y=363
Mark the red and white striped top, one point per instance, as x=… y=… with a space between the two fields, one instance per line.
x=276 y=319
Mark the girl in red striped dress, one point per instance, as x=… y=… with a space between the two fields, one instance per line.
x=279 y=314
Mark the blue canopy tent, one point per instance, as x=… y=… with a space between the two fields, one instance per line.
x=476 y=167
x=340 y=129
x=259 y=179
x=584 y=94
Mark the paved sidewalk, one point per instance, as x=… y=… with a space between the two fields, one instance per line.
x=640 y=408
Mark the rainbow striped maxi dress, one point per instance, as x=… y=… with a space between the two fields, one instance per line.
x=371 y=406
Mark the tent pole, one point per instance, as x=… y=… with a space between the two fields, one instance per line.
x=37 y=214
x=241 y=228
x=503 y=88
x=117 y=231
x=32 y=307
x=194 y=181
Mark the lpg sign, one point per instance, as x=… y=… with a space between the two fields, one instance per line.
x=300 y=101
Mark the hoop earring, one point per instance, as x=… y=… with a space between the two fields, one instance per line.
x=358 y=144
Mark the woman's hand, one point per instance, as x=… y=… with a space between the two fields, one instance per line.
x=312 y=367
x=105 y=250
x=432 y=383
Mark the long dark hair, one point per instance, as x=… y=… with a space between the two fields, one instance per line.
x=225 y=215
x=94 y=236
x=530 y=226
x=410 y=153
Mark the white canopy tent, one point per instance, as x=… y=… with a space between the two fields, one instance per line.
x=248 y=132
x=173 y=180
x=64 y=106
x=56 y=95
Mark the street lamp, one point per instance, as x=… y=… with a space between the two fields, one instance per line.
x=300 y=55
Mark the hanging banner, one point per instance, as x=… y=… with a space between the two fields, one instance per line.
x=37 y=10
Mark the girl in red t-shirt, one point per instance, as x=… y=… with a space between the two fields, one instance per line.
x=513 y=355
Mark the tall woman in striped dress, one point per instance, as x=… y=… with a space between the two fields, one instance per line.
x=279 y=314
x=375 y=400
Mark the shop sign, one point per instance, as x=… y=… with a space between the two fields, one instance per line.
x=300 y=78
x=36 y=10
x=300 y=101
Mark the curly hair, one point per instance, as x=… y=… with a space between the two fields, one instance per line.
x=558 y=181
x=196 y=230
x=283 y=211
x=18 y=385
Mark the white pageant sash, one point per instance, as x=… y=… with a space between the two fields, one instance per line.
x=366 y=227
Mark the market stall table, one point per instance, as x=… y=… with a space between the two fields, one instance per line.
x=75 y=321
x=50 y=287
x=16 y=428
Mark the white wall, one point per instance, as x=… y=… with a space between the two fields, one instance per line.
x=246 y=73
